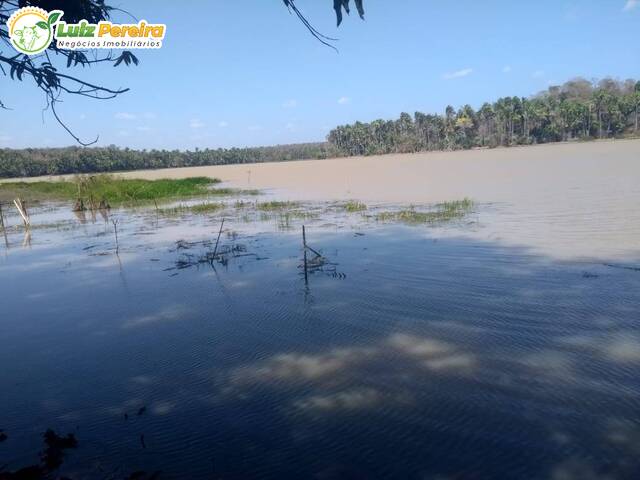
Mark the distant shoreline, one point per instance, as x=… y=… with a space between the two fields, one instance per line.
x=132 y=173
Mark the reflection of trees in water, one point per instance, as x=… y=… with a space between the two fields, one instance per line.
x=52 y=457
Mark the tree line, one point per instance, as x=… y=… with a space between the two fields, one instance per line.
x=578 y=109
x=32 y=162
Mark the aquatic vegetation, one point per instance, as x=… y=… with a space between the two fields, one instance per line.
x=204 y=208
x=285 y=219
x=276 y=205
x=457 y=206
x=199 y=209
x=354 y=206
x=443 y=212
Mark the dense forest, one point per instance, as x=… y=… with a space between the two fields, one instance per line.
x=579 y=109
x=31 y=162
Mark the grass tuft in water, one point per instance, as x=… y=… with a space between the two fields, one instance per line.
x=443 y=212
x=353 y=206
x=199 y=209
x=275 y=205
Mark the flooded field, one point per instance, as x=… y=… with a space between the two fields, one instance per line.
x=563 y=200
x=498 y=342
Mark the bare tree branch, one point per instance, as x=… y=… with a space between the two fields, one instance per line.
x=41 y=68
x=338 y=6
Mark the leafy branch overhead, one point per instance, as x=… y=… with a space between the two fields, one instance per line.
x=338 y=6
x=44 y=69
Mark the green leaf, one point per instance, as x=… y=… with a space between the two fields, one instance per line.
x=42 y=24
x=53 y=18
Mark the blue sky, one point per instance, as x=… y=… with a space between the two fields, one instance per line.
x=246 y=73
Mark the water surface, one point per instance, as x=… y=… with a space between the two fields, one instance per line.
x=416 y=352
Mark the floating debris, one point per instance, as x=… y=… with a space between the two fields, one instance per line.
x=213 y=253
x=318 y=263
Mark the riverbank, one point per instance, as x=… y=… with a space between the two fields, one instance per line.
x=571 y=200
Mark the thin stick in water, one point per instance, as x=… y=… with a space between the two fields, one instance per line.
x=215 y=250
x=4 y=228
x=115 y=231
x=304 y=248
x=23 y=212
x=304 y=242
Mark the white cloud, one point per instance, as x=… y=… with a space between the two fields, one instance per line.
x=123 y=133
x=344 y=100
x=167 y=314
x=5 y=138
x=162 y=408
x=125 y=116
x=131 y=116
x=291 y=103
x=290 y=126
x=143 y=128
x=353 y=399
x=630 y=5
x=254 y=128
x=538 y=74
x=294 y=367
x=506 y=69
x=223 y=124
x=196 y=123
x=458 y=74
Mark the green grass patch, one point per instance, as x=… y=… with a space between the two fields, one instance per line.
x=198 y=209
x=275 y=205
x=61 y=190
x=205 y=208
x=353 y=206
x=456 y=206
x=113 y=189
x=443 y=212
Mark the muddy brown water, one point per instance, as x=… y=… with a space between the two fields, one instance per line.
x=569 y=200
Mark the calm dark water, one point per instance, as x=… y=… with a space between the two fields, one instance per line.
x=417 y=358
